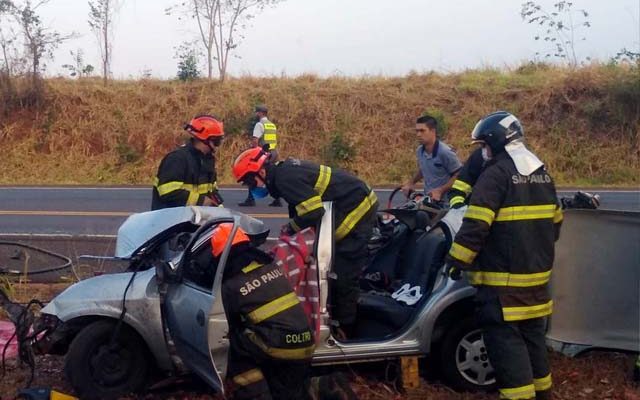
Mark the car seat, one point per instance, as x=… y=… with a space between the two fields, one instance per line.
x=380 y=314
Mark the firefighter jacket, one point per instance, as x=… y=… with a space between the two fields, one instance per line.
x=506 y=241
x=467 y=177
x=305 y=185
x=261 y=305
x=185 y=177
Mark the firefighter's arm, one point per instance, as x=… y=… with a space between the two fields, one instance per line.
x=170 y=179
x=305 y=203
x=467 y=177
x=213 y=198
x=458 y=193
x=487 y=198
x=230 y=302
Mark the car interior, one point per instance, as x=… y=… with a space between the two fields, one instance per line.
x=406 y=254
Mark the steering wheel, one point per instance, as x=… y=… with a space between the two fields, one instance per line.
x=399 y=201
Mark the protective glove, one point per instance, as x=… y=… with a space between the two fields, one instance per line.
x=452 y=268
x=215 y=199
x=287 y=230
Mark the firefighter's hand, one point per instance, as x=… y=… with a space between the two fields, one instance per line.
x=287 y=230
x=452 y=269
x=436 y=194
x=213 y=200
x=216 y=198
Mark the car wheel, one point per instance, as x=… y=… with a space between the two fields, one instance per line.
x=100 y=367
x=464 y=358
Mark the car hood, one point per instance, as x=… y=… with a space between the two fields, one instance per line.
x=102 y=295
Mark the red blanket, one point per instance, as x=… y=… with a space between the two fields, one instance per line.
x=6 y=331
x=294 y=254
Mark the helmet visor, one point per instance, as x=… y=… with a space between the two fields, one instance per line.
x=475 y=133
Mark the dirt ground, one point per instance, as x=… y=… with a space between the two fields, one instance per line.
x=595 y=375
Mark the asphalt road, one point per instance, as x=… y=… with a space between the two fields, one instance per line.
x=98 y=211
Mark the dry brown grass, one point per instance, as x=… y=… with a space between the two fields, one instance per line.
x=583 y=123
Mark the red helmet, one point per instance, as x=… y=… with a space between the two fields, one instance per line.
x=249 y=162
x=221 y=234
x=205 y=127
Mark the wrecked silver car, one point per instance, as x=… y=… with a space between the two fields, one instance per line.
x=165 y=313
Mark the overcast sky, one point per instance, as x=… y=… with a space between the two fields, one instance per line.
x=346 y=37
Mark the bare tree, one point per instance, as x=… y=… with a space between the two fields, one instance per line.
x=101 y=14
x=560 y=26
x=39 y=41
x=8 y=41
x=220 y=23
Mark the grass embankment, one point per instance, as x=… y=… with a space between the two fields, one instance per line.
x=583 y=123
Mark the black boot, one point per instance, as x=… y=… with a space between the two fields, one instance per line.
x=249 y=202
x=276 y=202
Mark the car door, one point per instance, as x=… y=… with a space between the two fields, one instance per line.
x=194 y=314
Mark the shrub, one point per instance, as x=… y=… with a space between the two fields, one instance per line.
x=338 y=152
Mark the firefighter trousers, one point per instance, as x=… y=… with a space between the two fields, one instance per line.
x=348 y=263
x=253 y=375
x=517 y=351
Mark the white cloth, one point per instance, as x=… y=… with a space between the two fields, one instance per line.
x=526 y=162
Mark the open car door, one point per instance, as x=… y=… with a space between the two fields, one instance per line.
x=194 y=316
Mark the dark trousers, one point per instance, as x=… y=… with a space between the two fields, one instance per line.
x=349 y=260
x=517 y=350
x=252 y=375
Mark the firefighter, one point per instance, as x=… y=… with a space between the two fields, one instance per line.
x=506 y=245
x=270 y=341
x=304 y=186
x=187 y=175
x=469 y=173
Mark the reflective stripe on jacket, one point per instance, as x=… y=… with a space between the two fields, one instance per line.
x=507 y=237
x=185 y=177
x=260 y=302
x=305 y=185
x=467 y=177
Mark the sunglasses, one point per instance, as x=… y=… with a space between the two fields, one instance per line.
x=216 y=141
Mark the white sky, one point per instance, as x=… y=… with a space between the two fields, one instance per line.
x=346 y=37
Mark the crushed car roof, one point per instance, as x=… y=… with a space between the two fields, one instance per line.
x=140 y=229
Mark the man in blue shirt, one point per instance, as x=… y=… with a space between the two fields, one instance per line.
x=438 y=164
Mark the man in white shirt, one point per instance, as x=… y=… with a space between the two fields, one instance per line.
x=265 y=133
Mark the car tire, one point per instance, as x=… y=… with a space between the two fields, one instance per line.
x=98 y=369
x=464 y=359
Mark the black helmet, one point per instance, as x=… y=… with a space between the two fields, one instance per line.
x=497 y=129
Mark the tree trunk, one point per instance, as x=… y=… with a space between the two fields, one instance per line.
x=6 y=60
x=105 y=33
x=209 y=64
